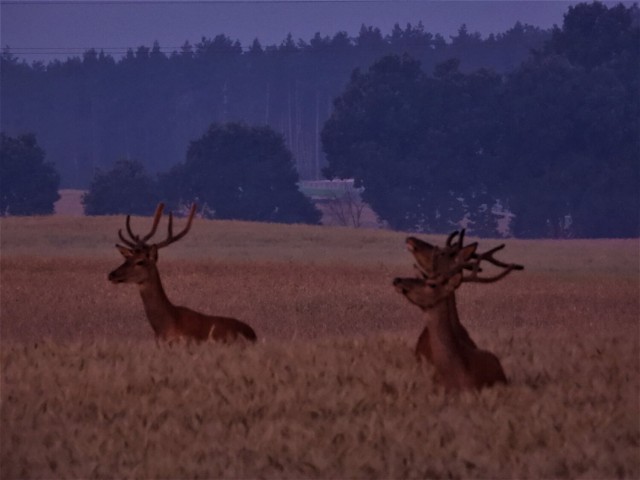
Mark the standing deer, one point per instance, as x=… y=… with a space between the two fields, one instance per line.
x=459 y=363
x=169 y=322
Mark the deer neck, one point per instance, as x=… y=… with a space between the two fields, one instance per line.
x=446 y=347
x=452 y=308
x=160 y=311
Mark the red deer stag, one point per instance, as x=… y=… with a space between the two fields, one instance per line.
x=431 y=261
x=445 y=343
x=169 y=322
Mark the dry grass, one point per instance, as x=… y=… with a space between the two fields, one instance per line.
x=332 y=390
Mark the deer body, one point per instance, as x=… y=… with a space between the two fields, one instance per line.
x=423 y=347
x=444 y=342
x=170 y=322
x=448 y=353
x=459 y=365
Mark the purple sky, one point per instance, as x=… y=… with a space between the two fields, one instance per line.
x=48 y=29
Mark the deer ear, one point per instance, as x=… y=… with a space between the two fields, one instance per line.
x=414 y=244
x=423 y=252
x=453 y=283
x=126 y=252
x=466 y=253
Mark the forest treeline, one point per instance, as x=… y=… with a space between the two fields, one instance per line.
x=556 y=141
x=88 y=112
x=541 y=124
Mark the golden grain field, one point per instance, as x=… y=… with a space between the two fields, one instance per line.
x=332 y=389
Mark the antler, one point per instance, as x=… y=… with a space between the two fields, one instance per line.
x=171 y=238
x=453 y=235
x=473 y=261
x=456 y=258
x=137 y=241
x=474 y=266
x=488 y=256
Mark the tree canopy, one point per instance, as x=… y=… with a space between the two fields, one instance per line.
x=89 y=111
x=241 y=172
x=29 y=184
x=124 y=189
x=555 y=141
x=572 y=113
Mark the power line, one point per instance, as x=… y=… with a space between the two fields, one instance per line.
x=178 y=2
x=106 y=50
x=82 y=49
x=194 y=48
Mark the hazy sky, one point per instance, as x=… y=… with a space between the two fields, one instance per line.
x=47 y=29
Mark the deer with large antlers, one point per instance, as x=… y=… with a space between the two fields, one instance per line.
x=432 y=260
x=445 y=343
x=169 y=322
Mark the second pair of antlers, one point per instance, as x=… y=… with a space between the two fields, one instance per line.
x=455 y=257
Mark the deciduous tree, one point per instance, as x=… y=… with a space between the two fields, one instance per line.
x=125 y=189
x=29 y=184
x=420 y=146
x=241 y=172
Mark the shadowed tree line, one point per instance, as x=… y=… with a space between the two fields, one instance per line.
x=551 y=138
x=233 y=171
x=28 y=184
x=556 y=141
x=89 y=112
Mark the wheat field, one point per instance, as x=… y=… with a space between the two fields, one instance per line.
x=332 y=389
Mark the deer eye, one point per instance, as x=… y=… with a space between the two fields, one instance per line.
x=140 y=262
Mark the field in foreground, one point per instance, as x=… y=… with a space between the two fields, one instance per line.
x=332 y=390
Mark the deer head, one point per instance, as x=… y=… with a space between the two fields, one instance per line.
x=432 y=260
x=443 y=270
x=427 y=291
x=140 y=256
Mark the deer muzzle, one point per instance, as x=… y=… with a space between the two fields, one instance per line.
x=400 y=285
x=116 y=276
